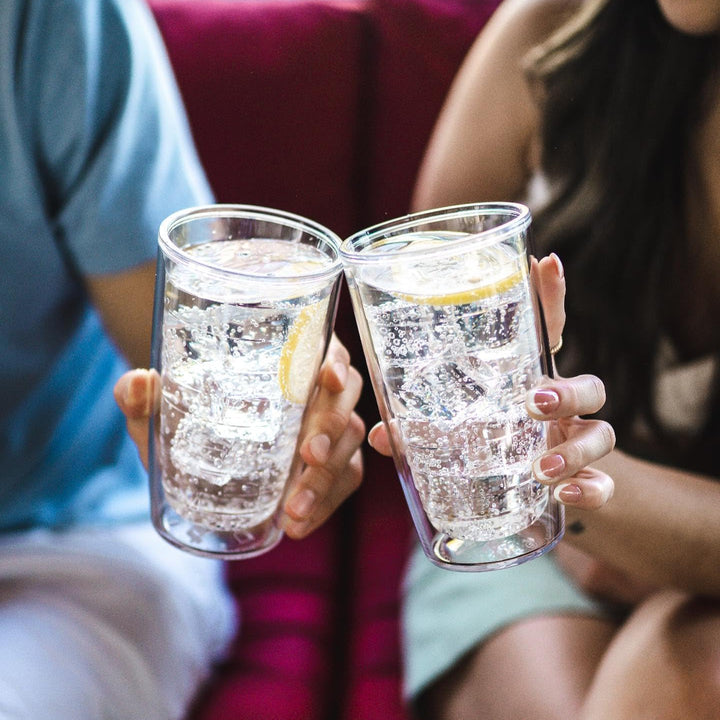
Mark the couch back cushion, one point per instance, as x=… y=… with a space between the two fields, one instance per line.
x=419 y=45
x=272 y=90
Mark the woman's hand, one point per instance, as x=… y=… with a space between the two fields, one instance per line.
x=574 y=442
x=329 y=444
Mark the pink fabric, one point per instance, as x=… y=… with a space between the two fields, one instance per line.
x=383 y=536
x=420 y=44
x=323 y=108
x=272 y=91
x=281 y=664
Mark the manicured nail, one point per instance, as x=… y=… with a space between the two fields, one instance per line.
x=301 y=504
x=320 y=448
x=543 y=402
x=568 y=493
x=548 y=467
x=558 y=265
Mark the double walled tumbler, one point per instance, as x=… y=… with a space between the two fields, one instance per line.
x=453 y=339
x=244 y=308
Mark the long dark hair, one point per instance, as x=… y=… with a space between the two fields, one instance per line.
x=621 y=92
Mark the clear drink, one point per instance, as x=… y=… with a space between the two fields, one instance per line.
x=458 y=366
x=245 y=300
x=453 y=339
x=236 y=377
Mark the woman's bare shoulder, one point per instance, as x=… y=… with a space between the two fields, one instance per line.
x=528 y=23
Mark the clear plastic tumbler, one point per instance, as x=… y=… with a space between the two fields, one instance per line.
x=453 y=337
x=244 y=308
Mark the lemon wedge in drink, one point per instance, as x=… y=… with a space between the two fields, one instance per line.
x=474 y=276
x=301 y=353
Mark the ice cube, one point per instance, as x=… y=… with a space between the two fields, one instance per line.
x=440 y=390
x=490 y=327
x=198 y=450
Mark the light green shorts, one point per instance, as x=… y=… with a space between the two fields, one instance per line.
x=446 y=613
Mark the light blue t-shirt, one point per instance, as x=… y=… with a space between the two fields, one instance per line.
x=94 y=152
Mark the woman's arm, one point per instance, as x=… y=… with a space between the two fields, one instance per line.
x=662 y=526
x=484 y=145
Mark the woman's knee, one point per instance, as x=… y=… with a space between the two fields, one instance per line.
x=664 y=663
x=692 y=634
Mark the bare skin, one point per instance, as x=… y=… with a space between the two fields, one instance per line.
x=656 y=545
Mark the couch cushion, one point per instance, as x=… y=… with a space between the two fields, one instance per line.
x=272 y=92
x=282 y=662
x=419 y=46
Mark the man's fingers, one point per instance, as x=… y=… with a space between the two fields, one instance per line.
x=334 y=371
x=328 y=416
x=331 y=437
x=320 y=490
x=137 y=394
x=378 y=439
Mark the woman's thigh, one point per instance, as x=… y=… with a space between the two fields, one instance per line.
x=537 y=668
x=664 y=663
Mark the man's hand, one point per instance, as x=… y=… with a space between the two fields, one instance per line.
x=329 y=442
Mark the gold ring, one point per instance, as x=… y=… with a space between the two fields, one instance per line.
x=556 y=347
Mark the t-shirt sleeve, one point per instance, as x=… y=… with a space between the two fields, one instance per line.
x=113 y=145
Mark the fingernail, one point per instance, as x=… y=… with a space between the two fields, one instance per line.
x=320 y=448
x=341 y=370
x=371 y=435
x=301 y=504
x=543 y=402
x=568 y=493
x=294 y=528
x=547 y=467
x=558 y=265
x=137 y=390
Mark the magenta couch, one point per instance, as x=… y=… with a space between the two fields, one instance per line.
x=323 y=108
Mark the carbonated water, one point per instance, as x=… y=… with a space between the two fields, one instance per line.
x=237 y=372
x=457 y=366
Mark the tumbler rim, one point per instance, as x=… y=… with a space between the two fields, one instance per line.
x=252 y=212
x=518 y=222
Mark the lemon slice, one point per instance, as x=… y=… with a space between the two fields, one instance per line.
x=301 y=352
x=489 y=272
x=463 y=297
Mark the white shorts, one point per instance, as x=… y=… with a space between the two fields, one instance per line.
x=111 y=624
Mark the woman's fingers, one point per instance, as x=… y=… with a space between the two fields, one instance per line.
x=566 y=466
x=137 y=394
x=565 y=397
x=588 y=489
x=549 y=278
